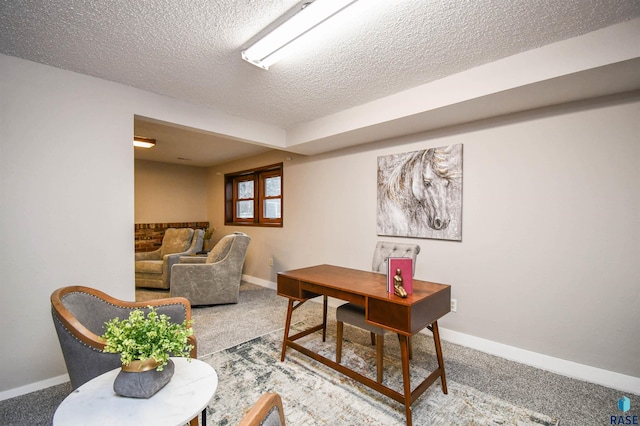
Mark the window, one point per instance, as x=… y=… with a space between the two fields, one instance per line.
x=254 y=197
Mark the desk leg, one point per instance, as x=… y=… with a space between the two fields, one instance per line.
x=404 y=351
x=324 y=318
x=286 y=329
x=436 y=339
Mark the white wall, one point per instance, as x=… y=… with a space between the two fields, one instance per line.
x=549 y=258
x=67 y=206
x=166 y=193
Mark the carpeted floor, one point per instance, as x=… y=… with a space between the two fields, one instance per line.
x=314 y=394
x=260 y=311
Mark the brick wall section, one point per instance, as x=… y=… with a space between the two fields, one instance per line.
x=148 y=236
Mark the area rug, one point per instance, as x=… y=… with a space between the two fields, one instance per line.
x=314 y=394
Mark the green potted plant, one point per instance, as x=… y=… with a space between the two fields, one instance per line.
x=145 y=344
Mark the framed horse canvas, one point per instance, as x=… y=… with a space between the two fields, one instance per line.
x=420 y=194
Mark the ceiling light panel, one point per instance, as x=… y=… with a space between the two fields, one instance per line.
x=142 y=142
x=268 y=50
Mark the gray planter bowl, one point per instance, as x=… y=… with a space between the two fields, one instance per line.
x=142 y=384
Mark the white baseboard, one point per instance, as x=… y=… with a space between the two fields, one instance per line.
x=32 y=387
x=259 y=281
x=571 y=369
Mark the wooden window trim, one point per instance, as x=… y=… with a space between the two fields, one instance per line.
x=236 y=181
x=258 y=176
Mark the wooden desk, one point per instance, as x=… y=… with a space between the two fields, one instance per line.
x=423 y=308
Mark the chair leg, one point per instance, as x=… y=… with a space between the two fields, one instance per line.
x=325 y=303
x=379 y=356
x=339 y=341
x=373 y=338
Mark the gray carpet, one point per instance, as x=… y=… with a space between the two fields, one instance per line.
x=260 y=311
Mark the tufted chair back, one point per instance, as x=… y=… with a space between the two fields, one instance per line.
x=385 y=250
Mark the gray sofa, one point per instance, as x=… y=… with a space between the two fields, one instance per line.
x=214 y=279
x=153 y=268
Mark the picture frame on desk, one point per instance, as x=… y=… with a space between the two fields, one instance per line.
x=405 y=265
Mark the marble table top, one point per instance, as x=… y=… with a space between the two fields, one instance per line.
x=183 y=398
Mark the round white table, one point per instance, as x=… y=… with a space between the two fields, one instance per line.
x=183 y=398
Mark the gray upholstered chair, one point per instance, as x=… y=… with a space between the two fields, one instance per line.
x=353 y=314
x=153 y=268
x=79 y=314
x=267 y=411
x=213 y=280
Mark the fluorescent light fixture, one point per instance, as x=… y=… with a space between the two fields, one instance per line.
x=142 y=142
x=273 y=46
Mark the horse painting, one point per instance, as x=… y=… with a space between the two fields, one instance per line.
x=420 y=194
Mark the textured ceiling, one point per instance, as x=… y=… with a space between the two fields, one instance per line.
x=190 y=50
x=190 y=147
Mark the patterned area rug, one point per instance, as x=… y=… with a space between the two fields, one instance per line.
x=314 y=394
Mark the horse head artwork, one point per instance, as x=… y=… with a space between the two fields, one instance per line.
x=420 y=193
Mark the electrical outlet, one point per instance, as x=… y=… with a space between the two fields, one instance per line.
x=271 y=261
x=454 y=305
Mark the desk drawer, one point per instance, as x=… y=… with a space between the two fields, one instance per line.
x=288 y=287
x=317 y=289
x=294 y=289
x=409 y=319
x=390 y=315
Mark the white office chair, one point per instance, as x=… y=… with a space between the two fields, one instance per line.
x=355 y=315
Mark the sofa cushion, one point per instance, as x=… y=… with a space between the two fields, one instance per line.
x=176 y=240
x=149 y=266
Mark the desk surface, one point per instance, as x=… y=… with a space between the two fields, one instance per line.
x=185 y=396
x=428 y=302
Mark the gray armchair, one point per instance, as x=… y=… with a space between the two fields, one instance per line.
x=213 y=280
x=267 y=411
x=79 y=314
x=153 y=268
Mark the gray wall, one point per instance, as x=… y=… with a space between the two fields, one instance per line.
x=549 y=258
